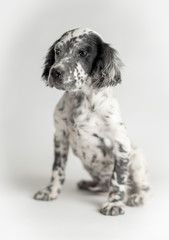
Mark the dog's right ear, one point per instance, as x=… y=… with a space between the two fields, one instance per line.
x=49 y=61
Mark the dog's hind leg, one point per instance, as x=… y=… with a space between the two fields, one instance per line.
x=94 y=186
x=138 y=185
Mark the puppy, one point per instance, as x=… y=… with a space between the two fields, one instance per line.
x=88 y=119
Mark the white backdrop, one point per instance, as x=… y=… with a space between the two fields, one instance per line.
x=139 y=31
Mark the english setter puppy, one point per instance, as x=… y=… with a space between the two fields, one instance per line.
x=88 y=119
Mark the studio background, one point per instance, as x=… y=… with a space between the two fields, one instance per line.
x=139 y=31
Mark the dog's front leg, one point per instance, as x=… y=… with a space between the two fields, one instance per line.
x=117 y=190
x=61 y=145
x=58 y=172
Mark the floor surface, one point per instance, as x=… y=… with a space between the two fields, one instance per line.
x=75 y=214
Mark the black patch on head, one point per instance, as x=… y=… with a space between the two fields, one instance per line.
x=106 y=68
x=89 y=43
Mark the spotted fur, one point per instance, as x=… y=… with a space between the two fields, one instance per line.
x=88 y=119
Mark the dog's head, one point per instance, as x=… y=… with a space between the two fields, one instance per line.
x=80 y=57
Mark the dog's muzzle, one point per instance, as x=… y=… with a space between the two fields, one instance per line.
x=56 y=76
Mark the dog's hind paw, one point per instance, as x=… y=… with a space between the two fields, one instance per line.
x=93 y=186
x=137 y=199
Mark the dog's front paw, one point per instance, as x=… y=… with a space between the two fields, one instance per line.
x=47 y=194
x=113 y=209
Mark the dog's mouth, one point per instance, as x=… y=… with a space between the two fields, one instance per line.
x=61 y=85
x=54 y=82
x=57 y=86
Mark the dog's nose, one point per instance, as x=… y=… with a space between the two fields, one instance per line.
x=56 y=72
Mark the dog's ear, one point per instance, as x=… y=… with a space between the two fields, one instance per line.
x=49 y=61
x=106 y=70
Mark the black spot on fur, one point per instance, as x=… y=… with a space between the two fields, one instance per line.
x=103 y=149
x=145 y=188
x=52 y=179
x=49 y=188
x=62 y=108
x=94 y=157
x=119 y=196
x=62 y=181
x=115 y=190
x=60 y=173
x=121 y=148
x=120 y=170
x=57 y=162
x=100 y=138
x=84 y=155
x=56 y=143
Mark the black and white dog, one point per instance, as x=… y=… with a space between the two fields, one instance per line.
x=88 y=119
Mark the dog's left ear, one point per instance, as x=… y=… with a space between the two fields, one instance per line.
x=49 y=61
x=106 y=71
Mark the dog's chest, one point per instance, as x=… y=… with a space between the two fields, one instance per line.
x=89 y=135
x=84 y=123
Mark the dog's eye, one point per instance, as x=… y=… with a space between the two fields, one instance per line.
x=83 y=53
x=57 y=51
